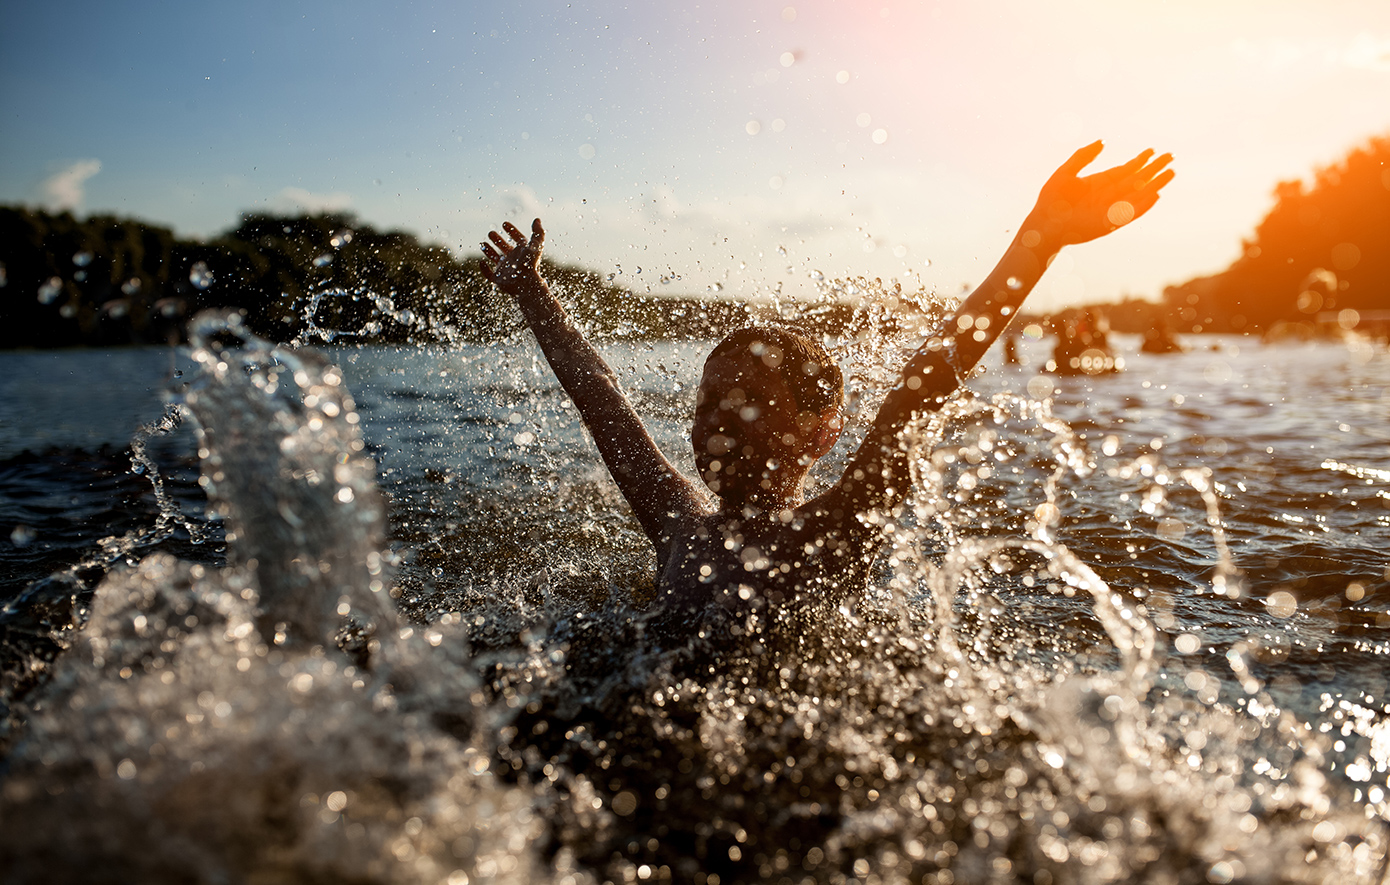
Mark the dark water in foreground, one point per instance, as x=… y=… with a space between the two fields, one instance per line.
x=1131 y=628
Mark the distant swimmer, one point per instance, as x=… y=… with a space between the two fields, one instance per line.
x=1159 y=338
x=1083 y=346
x=769 y=406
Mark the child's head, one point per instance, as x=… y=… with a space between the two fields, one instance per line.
x=768 y=406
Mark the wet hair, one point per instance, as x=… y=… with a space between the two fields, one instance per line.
x=806 y=367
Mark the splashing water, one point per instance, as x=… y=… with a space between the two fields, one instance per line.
x=218 y=724
x=314 y=559
x=1007 y=704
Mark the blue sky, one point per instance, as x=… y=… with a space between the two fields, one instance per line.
x=699 y=142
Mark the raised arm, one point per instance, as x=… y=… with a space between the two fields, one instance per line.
x=652 y=486
x=1070 y=209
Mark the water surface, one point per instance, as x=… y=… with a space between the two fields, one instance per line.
x=1131 y=628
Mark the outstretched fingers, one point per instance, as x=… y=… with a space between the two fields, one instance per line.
x=504 y=256
x=1137 y=174
x=1155 y=170
x=514 y=233
x=1148 y=182
x=489 y=263
x=1138 y=160
x=1146 y=196
x=535 y=243
x=1079 y=160
x=500 y=241
x=1153 y=176
x=1124 y=175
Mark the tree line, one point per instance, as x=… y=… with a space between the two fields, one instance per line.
x=106 y=280
x=1319 y=257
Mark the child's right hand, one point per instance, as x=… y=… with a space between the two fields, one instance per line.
x=513 y=267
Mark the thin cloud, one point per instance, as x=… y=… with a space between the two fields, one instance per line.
x=521 y=201
x=1368 y=52
x=297 y=199
x=716 y=218
x=1365 y=51
x=65 y=189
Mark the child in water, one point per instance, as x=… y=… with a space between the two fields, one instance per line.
x=768 y=407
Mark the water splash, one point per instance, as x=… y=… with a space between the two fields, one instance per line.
x=211 y=711
x=47 y=613
x=999 y=708
x=200 y=275
x=285 y=470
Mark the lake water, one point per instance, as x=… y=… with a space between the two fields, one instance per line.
x=1130 y=628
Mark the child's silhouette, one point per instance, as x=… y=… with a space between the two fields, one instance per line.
x=768 y=407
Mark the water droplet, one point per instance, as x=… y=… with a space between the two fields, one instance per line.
x=340 y=239
x=787 y=59
x=880 y=136
x=716 y=287
x=1120 y=213
x=1040 y=387
x=1014 y=283
x=782 y=250
x=199 y=275
x=22 y=536
x=82 y=259
x=1281 y=604
x=48 y=292
x=842 y=77
x=131 y=286
x=863 y=120
x=818 y=276
x=753 y=127
x=587 y=152
x=324 y=260
x=1170 y=529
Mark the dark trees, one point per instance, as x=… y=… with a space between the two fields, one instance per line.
x=1324 y=248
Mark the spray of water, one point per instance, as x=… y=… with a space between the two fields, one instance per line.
x=994 y=711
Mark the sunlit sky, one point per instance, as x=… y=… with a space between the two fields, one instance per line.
x=696 y=141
